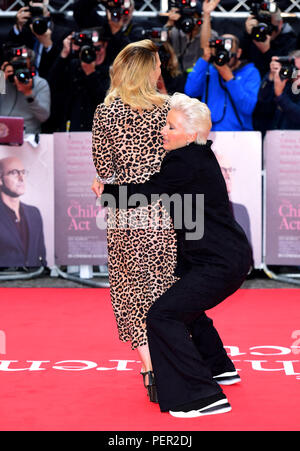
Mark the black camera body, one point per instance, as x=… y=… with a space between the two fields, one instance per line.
x=156 y=34
x=40 y=23
x=288 y=69
x=117 y=8
x=86 y=40
x=262 y=12
x=21 y=71
x=11 y=50
x=187 y=10
x=223 y=52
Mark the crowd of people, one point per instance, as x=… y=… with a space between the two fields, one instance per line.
x=56 y=75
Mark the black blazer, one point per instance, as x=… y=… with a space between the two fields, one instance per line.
x=195 y=170
x=12 y=253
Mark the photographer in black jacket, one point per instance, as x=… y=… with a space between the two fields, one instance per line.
x=279 y=95
x=35 y=29
x=79 y=80
x=259 y=48
x=118 y=23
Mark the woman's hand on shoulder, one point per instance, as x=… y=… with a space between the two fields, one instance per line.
x=97 y=187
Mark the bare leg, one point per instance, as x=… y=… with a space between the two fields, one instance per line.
x=147 y=372
x=144 y=355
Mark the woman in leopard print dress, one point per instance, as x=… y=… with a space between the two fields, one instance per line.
x=127 y=145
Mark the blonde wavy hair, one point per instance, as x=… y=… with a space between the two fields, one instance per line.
x=130 y=76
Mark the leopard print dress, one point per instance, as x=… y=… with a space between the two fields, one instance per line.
x=141 y=259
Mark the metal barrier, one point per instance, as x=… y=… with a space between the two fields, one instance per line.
x=239 y=8
x=17 y=275
x=79 y=277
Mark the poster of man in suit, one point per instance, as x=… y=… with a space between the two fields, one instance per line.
x=26 y=205
x=21 y=226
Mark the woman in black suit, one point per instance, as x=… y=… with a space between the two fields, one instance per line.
x=214 y=257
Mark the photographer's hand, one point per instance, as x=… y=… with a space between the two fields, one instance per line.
x=45 y=39
x=279 y=85
x=250 y=23
x=66 y=46
x=225 y=72
x=208 y=6
x=275 y=67
x=206 y=53
x=22 y=17
x=274 y=76
x=26 y=89
x=263 y=47
x=173 y=15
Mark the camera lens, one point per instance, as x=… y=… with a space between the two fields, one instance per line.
x=40 y=25
x=187 y=24
x=87 y=54
x=116 y=14
x=221 y=58
x=23 y=75
x=260 y=32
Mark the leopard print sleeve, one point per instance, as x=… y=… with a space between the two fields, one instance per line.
x=101 y=145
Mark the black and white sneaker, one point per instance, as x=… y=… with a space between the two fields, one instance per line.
x=229 y=378
x=211 y=408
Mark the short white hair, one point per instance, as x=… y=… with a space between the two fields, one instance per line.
x=197 y=115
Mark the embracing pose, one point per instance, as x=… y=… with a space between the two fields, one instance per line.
x=188 y=357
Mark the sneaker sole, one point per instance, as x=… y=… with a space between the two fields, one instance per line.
x=227 y=378
x=221 y=406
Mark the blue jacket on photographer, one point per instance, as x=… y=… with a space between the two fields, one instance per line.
x=278 y=106
x=228 y=85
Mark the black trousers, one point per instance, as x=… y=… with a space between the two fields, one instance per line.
x=186 y=349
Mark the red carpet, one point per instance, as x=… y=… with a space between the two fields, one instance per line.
x=100 y=388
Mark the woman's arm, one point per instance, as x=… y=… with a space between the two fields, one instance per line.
x=101 y=146
x=175 y=173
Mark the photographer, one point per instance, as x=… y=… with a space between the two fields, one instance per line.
x=119 y=25
x=229 y=86
x=27 y=95
x=279 y=95
x=79 y=80
x=185 y=30
x=35 y=29
x=172 y=79
x=266 y=35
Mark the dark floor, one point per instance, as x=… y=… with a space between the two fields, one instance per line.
x=257 y=279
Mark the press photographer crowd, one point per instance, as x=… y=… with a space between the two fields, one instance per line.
x=57 y=73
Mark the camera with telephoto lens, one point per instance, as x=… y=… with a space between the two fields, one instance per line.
x=288 y=69
x=21 y=71
x=187 y=10
x=40 y=23
x=262 y=12
x=86 y=40
x=117 y=8
x=223 y=52
x=156 y=34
